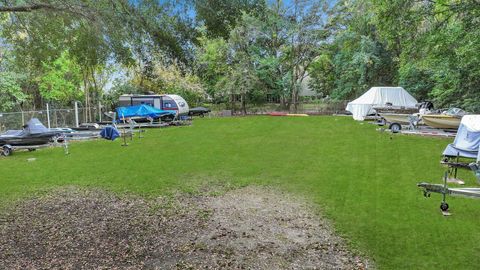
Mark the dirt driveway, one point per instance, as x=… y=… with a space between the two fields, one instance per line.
x=247 y=228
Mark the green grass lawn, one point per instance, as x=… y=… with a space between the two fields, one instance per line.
x=363 y=180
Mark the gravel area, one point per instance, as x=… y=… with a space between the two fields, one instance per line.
x=247 y=228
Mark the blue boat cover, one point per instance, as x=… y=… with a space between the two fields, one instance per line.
x=141 y=111
x=109 y=133
x=467 y=140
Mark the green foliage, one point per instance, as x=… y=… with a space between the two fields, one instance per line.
x=11 y=94
x=430 y=48
x=61 y=81
x=220 y=17
x=163 y=79
x=322 y=74
x=110 y=98
x=419 y=81
x=212 y=65
x=96 y=34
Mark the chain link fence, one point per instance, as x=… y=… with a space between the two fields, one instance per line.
x=311 y=108
x=53 y=117
x=66 y=117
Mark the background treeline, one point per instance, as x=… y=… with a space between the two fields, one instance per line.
x=237 y=52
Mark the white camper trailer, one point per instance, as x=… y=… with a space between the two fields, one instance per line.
x=162 y=102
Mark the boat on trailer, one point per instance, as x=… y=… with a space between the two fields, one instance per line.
x=456 y=156
x=34 y=135
x=449 y=119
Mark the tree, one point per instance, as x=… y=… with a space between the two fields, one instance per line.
x=11 y=94
x=61 y=80
x=220 y=17
x=306 y=34
x=212 y=65
x=95 y=33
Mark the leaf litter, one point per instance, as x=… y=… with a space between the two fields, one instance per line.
x=246 y=228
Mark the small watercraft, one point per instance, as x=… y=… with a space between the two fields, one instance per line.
x=200 y=111
x=449 y=119
x=33 y=133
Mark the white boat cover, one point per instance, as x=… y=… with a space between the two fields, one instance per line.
x=379 y=96
x=467 y=140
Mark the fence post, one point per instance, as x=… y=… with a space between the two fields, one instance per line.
x=23 y=119
x=48 y=116
x=100 y=111
x=76 y=114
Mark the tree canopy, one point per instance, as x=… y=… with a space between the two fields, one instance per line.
x=241 y=51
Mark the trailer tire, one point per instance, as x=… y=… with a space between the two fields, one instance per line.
x=444 y=206
x=382 y=122
x=6 y=150
x=395 y=127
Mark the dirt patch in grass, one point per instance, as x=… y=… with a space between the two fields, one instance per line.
x=249 y=228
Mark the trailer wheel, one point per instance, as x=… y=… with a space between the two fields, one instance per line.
x=6 y=151
x=395 y=127
x=382 y=122
x=444 y=206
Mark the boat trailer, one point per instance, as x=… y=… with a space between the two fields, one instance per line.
x=7 y=149
x=470 y=192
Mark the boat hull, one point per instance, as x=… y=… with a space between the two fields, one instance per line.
x=31 y=139
x=396 y=118
x=26 y=141
x=441 y=121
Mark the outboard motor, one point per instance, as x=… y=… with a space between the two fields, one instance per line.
x=426 y=107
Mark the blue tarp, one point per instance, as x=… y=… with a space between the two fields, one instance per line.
x=109 y=133
x=142 y=111
x=467 y=140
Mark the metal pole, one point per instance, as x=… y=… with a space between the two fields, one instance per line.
x=100 y=111
x=48 y=116
x=76 y=114
x=23 y=119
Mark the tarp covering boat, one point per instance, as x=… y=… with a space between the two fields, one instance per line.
x=142 y=111
x=34 y=126
x=467 y=141
x=380 y=96
x=33 y=133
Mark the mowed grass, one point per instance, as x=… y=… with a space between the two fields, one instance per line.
x=363 y=180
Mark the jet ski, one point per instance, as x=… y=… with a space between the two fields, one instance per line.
x=33 y=133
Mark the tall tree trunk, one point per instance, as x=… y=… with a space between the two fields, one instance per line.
x=283 y=103
x=232 y=102
x=294 y=96
x=244 y=108
x=92 y=72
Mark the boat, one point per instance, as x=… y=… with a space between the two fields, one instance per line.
x=277 y=114
x=395 y=110
x=401 y=118
x=33 y=133
x=144 y=113
x=447 y=120
x=200 y=111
